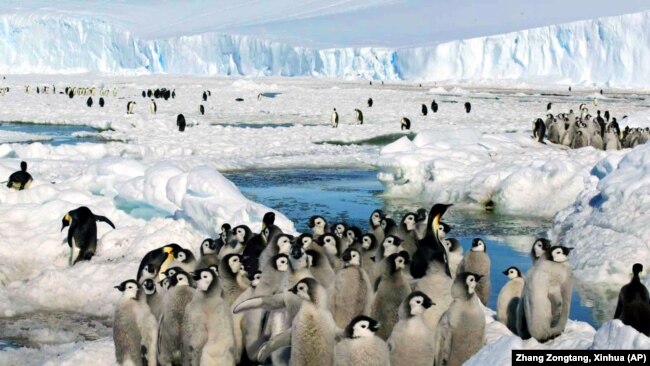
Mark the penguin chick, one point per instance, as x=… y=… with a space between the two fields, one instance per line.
x=208 y=252
x=406 y=232
x=184 y=258
x=540 y=246
x=368 y=248
x=233 y=278
x=318 y=226
x=320 y=268
x=412 y=341
x=633 y=307
x=134 y=328
x=509 y=298
x=350 y=294
x=154 y=297
x=332 y=248
x=82 y=234
x=179 y=294
x=477 y=261
x=375 y=225
x=461 y=330
x=454 y=254
x=390 y=291
x=361 y=347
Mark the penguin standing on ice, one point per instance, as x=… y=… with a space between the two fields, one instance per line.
x=21 y=179
x=633 y=306
x=335 y=119
x=205 y=96
x=509 y=298
x=130 y=106
x=101 y=102
x=434 y=106
x=405 y=124
x=89 y=102
x=549 y=106
x=180 y=122
x=370 y=102
x=82 y=234
x=424 y=110
x=359 y=116
x=201 y=109
x=468 y=107
x=477 y=261
x=153 y=108
x=539 y=130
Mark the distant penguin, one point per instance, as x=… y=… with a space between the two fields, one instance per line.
x=359 y=116
x=153 y=108
x=38 y=90
x=509 y=298
x=461 y=330
x=205 y=96
x=424 y=109
x=434 y=106
x=370 y=102
x=539 y=130
x=144 y=94
x=412 y=341
x=239 y=99
x=134 y=327
x=477 y=261
x=549 y=106
x=546 y=298
x=580 y=139
x=180 y=122
x=633 y=307
x=607 y=116
x=71 y=93
x=361 y=347
x=21 y=179
x=89 y=102
x=391 y=289
x=173 y=93
x=130 y=106
x=101 y=102
x=201 y=109
x=82 y=234
x=468 y=107
x=149 y=93
x=405 y=123
x=335 y=119
x=569 y=88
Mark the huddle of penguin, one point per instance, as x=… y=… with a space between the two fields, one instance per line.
x=601 y=132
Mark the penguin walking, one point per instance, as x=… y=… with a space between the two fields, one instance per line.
x=405 y=124
x=134 y=327
x=424 y=110
x=549 y=106
x=477 y=261
x=180 y=122
x=370 y=102
x=461 y=330
x=205 y=96
x=335 y=119
x=89 y=102
x=101 y=102
x=361 y=346
x=21 y=179
x=130 y=107
x=468 y=107
x=434 y=106
x=539 y=130
x=350 y=293
x=509 y=298
x=391 y=289
x=412 y=341
x=359 y=116
x=144 y=94
x=153 y=108
x=202 y=109
x=633 y=307
x=82 y=234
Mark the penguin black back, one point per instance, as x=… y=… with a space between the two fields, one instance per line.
x=633 y=306
x=434 y=106
x=82 y=234
x=89 y=102
x=430 y=246
x=20 y=179
x=180 y=122
x=101 y=102
x=468 y=107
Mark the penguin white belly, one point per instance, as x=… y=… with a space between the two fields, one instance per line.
x=74 y=252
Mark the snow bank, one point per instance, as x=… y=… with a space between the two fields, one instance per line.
x=7 y=137
x=603 y=51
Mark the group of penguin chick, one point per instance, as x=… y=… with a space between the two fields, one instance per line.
x=599 y=132
x=400 y=294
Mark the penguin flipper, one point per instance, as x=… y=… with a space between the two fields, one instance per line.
x=264 y=302
x=104 y=219
x=275 y=343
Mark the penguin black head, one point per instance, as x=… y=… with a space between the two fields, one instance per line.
x=183 y=255
x=330 y=243
x=317 y=222
x=376 y=217
x=129 y=288
x=417 y=302
x=255 y=278
x=314 y=258
x=23 y=166
x=171 y=272
x=297 y=251
x=306 y=289
x=351 y=257
x=305 y=240
x=205 y=279
x=558 y=254
x=512 y=272
x=387 y=224
x=149 y=270
x=637 y=268
x=391 y=244
x=149 y=286
x=420 y=215
x=540 y=247
x=362 y=326
x=398 y=261
x=233 y=262
x=208 y=246
x=339 y=229
x=280 y=262
x=268 y=219
x=214 y=268
x=478 y=245
x=435 y=215
x=181 y=278
x=368 y=241
x=242 y=233
x=470 y=281
x=409 y=220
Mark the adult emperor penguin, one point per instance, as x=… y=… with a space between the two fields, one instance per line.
x=430 y=244
x=509 y=298
x=89 y=102
x=361 y=347
x=82 y=234
x=434 y=106
x=412 y=341
x=134 y=328
x=370 y=102
x=468 y=107
x=461 y=330
x=539 y=130
x=180 y=122
x=258 y=242
x=335 y=118
x=156 y=261
x=424 y=109
x=205 y=96
x=477 y=261
x=207 y=336
x=350 y=294
x=101 y=102
x=233 y=280
x=359 y=116
x=179 y=294
x=405 y=124
x=391 y=289
x=130 y=107
x=375 y=225
x=201 y=109
x=546 y=298
x=611 y=139
x=21 y=179
x=549 y=106
x=153 y=108
x=633 y=307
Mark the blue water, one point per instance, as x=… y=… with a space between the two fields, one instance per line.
x=345 y=195
x=57 y=134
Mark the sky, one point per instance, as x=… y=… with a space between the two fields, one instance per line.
x=332 y=23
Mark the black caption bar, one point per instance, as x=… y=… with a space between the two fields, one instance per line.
x=580 y=357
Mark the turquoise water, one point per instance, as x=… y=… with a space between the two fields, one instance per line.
x=57 y=134
x=345 y=195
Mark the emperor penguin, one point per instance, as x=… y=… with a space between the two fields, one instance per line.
x=21 y=179
x=549 y=106
x=454 y=254
x=320 y=267
x=375 y=225
x=134 y=327
x=207 y=326
x=477 y=261
x=546 y=298
x=339 y=229
x=539 y=130
x=361 y=346
x=156 y=261
x=611 y=139
x=370 y=102
x=539 y=249
x=405 y=124
x=350 y=294
x=391 y=289
x=424 y=109
x=412 y=341
x=277 y=243
x=89 y=102
x=153 y=108
x=101 y=102
x=257 y=243
x=82 y=234
x=581 y=139
x=335 y=118
x=179 y=294
x=318 y=226
x=421 y=223
x=555 y=131
x=184 y=258
x=332 y=248
x=461 y=330
x=233 y=279
x=208 y=253
x=434 y=106
x=154 y=296
x=406 y=231
x=352 y=236
x=205 y=96
x=130 y=107
x=202 y=109
x=509 y=298
x=633 y=307
x=359 y=116
x=180 y=122
x=431 y=243
x=468 y=107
